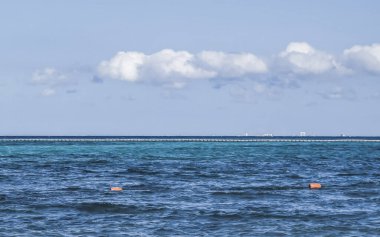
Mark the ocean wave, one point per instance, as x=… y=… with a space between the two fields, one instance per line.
x=3 y=197
x=107 y=207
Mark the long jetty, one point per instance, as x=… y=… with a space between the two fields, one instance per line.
x=147 y=139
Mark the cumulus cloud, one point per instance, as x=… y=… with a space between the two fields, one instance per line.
x=363 y=57
x=165 y=64
x=170 y=63
x=232 y=64
x=301 y=58
x=176 y=67
x=123 y=66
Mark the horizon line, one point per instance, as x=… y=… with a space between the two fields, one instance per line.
x=263 y=136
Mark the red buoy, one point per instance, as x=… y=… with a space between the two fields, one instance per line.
x=116 y=189
x=315 y=185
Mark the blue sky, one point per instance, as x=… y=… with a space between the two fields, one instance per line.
x=189 y=68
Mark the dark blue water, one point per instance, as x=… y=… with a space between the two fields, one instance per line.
x=189 y=189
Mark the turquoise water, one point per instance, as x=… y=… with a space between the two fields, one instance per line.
x=189 y=188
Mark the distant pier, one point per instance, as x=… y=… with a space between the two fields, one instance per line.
x=208 y=139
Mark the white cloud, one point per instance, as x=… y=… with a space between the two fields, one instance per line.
x=165 y=65
x=52 y=79
x=363 y=57
x=232 y=64
x=47 y=75
x=338 y=93
x=169 y=63
x=48 y=92
x=176 y=67
x=301 y=58
x=123 y=66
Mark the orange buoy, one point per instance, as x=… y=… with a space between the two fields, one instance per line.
x=315 y=185
x=116 y=189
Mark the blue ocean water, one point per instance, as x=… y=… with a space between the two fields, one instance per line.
x=51 y=188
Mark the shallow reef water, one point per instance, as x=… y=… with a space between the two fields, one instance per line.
x=189 y=188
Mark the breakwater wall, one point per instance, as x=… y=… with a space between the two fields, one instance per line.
x=184 y=140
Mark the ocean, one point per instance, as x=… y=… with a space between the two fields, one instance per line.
x=189 y=186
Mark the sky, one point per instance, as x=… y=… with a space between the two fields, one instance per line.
x=197 y=67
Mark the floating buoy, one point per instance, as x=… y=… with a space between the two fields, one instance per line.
x=116 y=189
x=315 y=185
